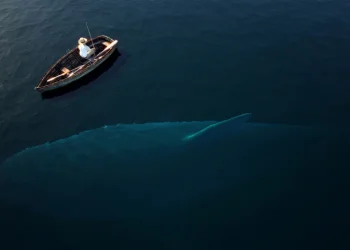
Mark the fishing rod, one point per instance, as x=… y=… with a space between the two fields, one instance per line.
x=90 y=37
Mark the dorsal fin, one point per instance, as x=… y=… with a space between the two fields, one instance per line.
x=219 y=129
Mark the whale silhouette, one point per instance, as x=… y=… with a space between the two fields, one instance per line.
x=153 y=169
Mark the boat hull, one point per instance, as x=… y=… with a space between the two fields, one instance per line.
x=76 y=77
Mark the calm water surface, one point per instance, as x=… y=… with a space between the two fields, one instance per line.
x=285 y=61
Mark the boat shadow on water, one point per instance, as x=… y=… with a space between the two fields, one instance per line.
x=92 y=76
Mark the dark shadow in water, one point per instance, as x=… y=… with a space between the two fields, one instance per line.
x=92 y=76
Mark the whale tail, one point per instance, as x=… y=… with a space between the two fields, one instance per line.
x=219 y=130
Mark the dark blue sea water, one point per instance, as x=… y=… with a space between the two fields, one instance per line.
x=284 y=61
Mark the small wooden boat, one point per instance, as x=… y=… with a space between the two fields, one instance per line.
x=72 y=66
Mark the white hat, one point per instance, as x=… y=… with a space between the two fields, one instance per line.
x=82 y=40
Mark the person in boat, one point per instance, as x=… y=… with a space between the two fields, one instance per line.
x=84 y=50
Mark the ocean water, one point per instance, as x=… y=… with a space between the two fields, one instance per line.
x=141 y=185
x=284 y=61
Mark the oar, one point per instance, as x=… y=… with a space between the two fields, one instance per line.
x=72 y=72
x=53 y=78
x=107 y=48
x=76 y=69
